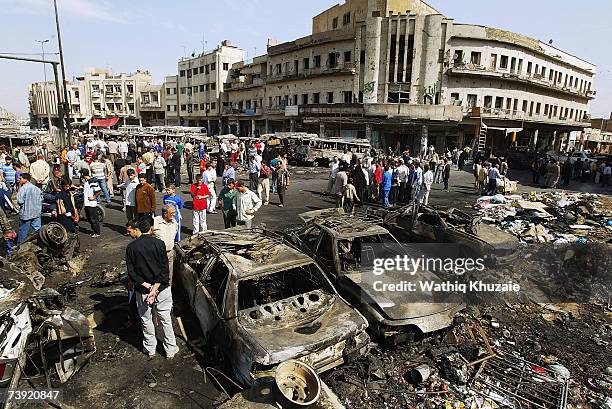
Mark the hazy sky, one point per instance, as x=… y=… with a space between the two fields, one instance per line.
x=153 y=34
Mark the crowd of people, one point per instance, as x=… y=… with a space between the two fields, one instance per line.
x=551 y=173
x=395 y=179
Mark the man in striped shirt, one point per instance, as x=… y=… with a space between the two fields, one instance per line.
x=8 y=173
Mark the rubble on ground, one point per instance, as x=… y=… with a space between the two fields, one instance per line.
x=557 y=216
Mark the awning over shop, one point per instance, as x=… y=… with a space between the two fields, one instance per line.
x=105 y=123
x=83 y=122
x=506 y=130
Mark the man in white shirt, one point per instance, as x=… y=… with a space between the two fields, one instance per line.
x=210 y=177
x=123 y=148
x=493 y=176
x=246 y=203
x=417 y=182
x=129 y=197
x=428 y=178
x=165 y=228
x=334 y=168
x=40 y=171
x=113 y=149
x=73 y=156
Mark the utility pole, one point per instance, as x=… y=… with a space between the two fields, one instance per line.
x=61 y=54
x=45 y=93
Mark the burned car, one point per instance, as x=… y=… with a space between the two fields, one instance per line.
x=427 y=224
x=336 y=241
x=266 y=302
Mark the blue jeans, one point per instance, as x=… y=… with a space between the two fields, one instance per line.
x=386 y=197
x=104 y=190
x=24 y=228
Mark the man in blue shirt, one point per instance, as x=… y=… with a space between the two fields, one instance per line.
x=9 y=174
x=29 y=199
x=386 y=185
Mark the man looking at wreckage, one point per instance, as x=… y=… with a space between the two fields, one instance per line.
x=147 y=267
x=246 y=203
x=166 y=228
x=29 y=199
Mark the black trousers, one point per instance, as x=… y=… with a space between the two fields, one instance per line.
x=190 y=172
x=254 y=181
x=281 y=194
x=177 y=177
x=92 y=217
x=229 y=218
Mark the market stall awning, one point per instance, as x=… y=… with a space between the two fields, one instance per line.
x=104 y=123
x=83 y=122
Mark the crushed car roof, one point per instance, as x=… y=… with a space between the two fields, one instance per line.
x=343 y=225
x=250 y=252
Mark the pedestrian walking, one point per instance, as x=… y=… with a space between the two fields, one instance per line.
x=91 y=192
x=200 y=194
x=350 y=197
x=282 y=183
x=145 y=199
x=385 y=186
x=263 y=187
x=147 y=266
x=8 y=174
x=428 y=180
x=334 y=168
x=99 y=172
x=29 y=199
x=246 y=203
x=67 y=213
x=159 y=170
x=210 y=177
x=340 y=182
x=254 y=168
x=129 y=194
x=446 y=173
x=226 y=203
x=166 y=229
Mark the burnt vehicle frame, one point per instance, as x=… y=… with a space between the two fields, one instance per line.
x=234 y=283
x=323 y=233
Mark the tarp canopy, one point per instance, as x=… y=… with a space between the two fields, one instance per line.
x=104 y=123
x=506 y=130
x=83 y=122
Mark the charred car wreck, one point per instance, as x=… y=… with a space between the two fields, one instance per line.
x=427 y=224
x=266 y=302
x=336 y=241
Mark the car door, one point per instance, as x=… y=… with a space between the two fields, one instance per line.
x=208 y=300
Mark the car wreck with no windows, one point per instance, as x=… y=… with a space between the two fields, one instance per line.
x=336 y=240
x=266 y=302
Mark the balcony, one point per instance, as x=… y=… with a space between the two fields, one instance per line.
x=498 y=113
x=95 y=94
x=340 y=68
x=511 y=115
x=241 y=112
x=256 y=82
x=532 y=79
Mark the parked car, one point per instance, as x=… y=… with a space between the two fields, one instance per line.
x=264 y=302
x=335 y=241
x=575 y=156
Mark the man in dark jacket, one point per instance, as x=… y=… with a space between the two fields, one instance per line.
x=147 y=267
x=175 y=160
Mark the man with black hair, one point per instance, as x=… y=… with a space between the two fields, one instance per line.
x=91 y=192
x=147 y=267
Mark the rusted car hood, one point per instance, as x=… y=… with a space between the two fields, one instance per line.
x=282 y=342
x=396 y=305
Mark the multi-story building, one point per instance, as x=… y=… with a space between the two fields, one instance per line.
x=598 y=137
x=99 y=95
x=400 y=73
x=172 y=100
x=200 y=84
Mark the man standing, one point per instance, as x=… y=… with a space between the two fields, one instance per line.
x=113 y=150
x=9 y=174
x=254 y=168
x=73 y=156
x=91 y=191
x=446 y=173
x=226 y=203
x=147 y=266
x=29 y=199
x=339 y=183
x=246 y=203
x=334 y=168
x=129 y=187
x=123 y=149
x=176 y=160
x=210 y=176
x=199 y=193
x=165 y=228
x=428 y=179
x=98 y=171
x=385 y=185
x=170 y=198
x=189 y=161
x=43 y=151
x=159 y=168
x=145 y=198
x=40 y=171
x=493 y=176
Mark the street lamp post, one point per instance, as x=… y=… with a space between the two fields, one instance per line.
x=61 y=55
x=45 y=93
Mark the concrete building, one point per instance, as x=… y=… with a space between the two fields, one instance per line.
x=101 y=95
x=398 y=72
x=171 y=100
x=200 y=83
x=598 y=137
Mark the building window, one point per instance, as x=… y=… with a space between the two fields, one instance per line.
x=118 y=89
x=348 y=97
x=347 y=56
x=168 y=108
x=213 y=105
x=207 y=68
x=189 y=73
x=278 y=69
x=213 y=86
x=201 y=88
x=472 y=100
x=306 y=63
x=195 y=89
x=316 y=98
x=182 y=73
x=545 y=109
x=454 y=96
x=304 y=99
x=183 y=107
x=515 y=105
x=503 y=62
x=513 y=64
x=335 y=23
x=330 y=97
x=317 y=61
x=202 y=107
x=529 y=68
x=183 y=90
x=333 y=60
x=519 y=71
x=538 y=106
x=196 y=107
x=202 y=69
x=225 y=66
x=294 y=100
x=499 y=102
x=493 y=62
x=488 y=101
x=543 y=72
x=109 y=89
x=550 y=74
x=346 y=19
x=213 y=66
x=475 y=58
x=362 y=57
x=524 y=106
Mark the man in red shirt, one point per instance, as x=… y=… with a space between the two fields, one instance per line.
x=199 y=193
x=378 y=176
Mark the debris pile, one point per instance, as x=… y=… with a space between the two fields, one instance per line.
x=558 y=217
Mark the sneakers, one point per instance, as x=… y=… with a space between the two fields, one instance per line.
x=281 y=205
x=95 y=235
x=171 y=356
